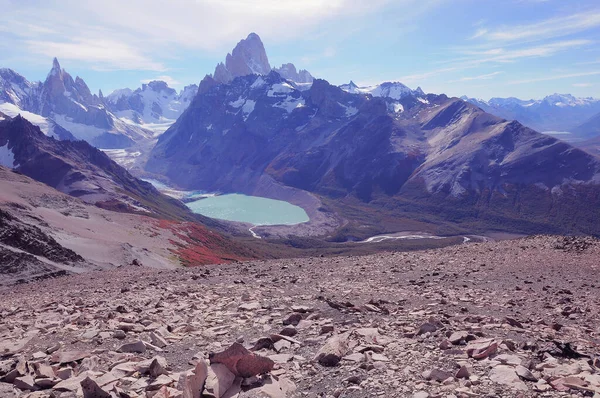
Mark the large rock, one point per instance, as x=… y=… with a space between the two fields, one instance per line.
x=506 y=375
x=218 y=381
x=333 y=351
x=192 y=382
x=91 y=389
x=242 y=362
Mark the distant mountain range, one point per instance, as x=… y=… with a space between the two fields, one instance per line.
x=382 y=156
x=66 y=102
x=154 y=106
x=377 y=155
x=554 y=113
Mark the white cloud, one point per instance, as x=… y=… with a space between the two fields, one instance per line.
x=555 y=77
x=479 y=32
x=134 y=34
x=101 y=54
x=487 y=76
x=546 y=29
x=171 y=82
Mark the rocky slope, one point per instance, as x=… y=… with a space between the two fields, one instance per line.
x=66 y=102
x=375 y=158
x=45 y=233
x=557 y=112
x=508 y=319
x=80 y=170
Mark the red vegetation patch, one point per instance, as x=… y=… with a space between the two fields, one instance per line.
x=198 y=245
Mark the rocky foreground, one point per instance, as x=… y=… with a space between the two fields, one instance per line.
x=507 y=319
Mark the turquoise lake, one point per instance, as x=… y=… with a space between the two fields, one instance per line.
x=250 y=209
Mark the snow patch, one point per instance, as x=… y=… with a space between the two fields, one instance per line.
x=398 y=108
x=350 y=110
x=423 y=100
x=259 y=82
x=248 y=108
x=237 y=103
x=279 y=89
x=44 y=124
x=290 y=103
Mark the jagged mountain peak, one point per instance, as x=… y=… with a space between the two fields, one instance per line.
x=248 y=57
x=55 y=67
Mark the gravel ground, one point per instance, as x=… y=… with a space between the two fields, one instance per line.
x=502 y=319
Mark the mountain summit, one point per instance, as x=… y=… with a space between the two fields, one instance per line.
x=248 y=57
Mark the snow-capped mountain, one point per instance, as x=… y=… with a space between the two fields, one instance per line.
x=390 y=151
x=554 y=113
x=78 y=169
x=155 y=106
x=393 y=90
x=250 y=57
x=69 y=104
x=288 y=71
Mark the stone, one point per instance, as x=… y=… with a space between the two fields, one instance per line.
x=525 y=373
x=327 y=329
x=158 y=340
x=506 y=375
x=569 y=382
x=282 y=345
x=289 y=331
x=134 y=347
x=251 y=306
x=462 y=373
x=513 y=322
x=158 y=367
x=426 y=328
x=218 y=381
x=242 y=362
x=119 y=334
x=281 y=358
x=458 y=337
x=92 y=390
x=482 y=351
x=46 y=383
x=334 y=349
x=436 y=375
x=293 y=319
x=191 y=383
x=69 y=356
x=7 y=391
x=303 y=309
x=25 y=383
x=44 y=371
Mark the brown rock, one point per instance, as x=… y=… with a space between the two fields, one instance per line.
x=69 y=356
x=524 y=373
x=25 y=383
x=437 y=375
x=92 y=390
x=242 y=362
x=191 y=383
x=136 y=346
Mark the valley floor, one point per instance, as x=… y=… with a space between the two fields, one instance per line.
x=459 y=321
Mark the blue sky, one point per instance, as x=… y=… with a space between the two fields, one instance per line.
x=483 y=48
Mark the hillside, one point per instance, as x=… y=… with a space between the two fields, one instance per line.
x=513 y=318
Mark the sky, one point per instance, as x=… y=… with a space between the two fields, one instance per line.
x=479 y=48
